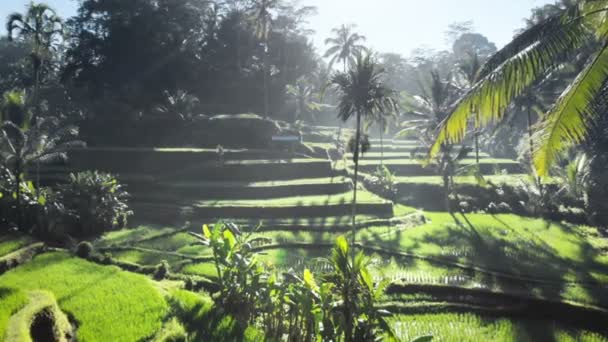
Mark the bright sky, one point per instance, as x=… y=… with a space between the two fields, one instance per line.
x=389 y=25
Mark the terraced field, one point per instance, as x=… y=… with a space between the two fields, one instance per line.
x=490 y=267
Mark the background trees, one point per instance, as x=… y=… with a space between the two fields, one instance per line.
x=228 y=54
x=40 y=28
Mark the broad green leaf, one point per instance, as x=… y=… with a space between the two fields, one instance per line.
x=206 y=232
x=309 y=280
x=228 y=236
x=426 y=338
x=41 y=200
x=569 y=120
x=509 y=73
x=342 y=244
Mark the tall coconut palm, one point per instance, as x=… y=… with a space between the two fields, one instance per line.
x=39 y=26
x=262 y=20
x=532 y=55
x=423 y=113
x=362 y=95
x=382 y=121
x=345 y=46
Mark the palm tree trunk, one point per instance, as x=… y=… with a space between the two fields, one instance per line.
x=356 y=160
x=530 y=139
x=18 y=207
x=381 y=147
x=531 y=145
x=446 y=187
x=477 y=147
x=266 y=95
x=37 y=64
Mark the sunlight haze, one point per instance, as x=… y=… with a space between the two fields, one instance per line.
x=389 y=25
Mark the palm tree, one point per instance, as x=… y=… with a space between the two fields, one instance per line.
x=262 y=18
x=345 y=46
x=40 y=26
x=21 y=147
x=469 y=69
x=425 y=112
x=532 y=55
x=363 y=95
x=304 y=94
x=382 y=120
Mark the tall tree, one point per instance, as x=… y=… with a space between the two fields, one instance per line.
x=263 y=19
x=39 y=26
x=345 y=46
x=529 y=57
x=362 y=95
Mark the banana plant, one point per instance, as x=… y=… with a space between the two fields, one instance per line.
x=239 y=274
x=358 y=318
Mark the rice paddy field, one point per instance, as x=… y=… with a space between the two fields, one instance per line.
x=452 y=277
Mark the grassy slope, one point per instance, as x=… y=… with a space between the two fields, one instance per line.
x=300 y=181
x=557 y=253
x=12 y=300
x=10 y=244
x=437 y=180
x=468 y=327
x=390 y=162
x=362 y=197
x=109 y=304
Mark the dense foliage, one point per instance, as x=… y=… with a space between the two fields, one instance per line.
x=95 y=202
x=339 y=305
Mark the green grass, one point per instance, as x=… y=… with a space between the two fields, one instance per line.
x=510 y=243
x=437 y=180
x=403 y=155
x=144 y=258
x=300 y=181
x=362 y=197
x=9 y=244
x=450 y=327
x=18 y=328
x=121 y=237
x=11 y=301
x=524 y=247
x=407 y=161
x=109 y=304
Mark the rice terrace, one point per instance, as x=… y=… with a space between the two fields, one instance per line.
x=283 y=170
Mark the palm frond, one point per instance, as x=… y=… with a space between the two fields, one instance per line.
x=568 y=121
x=550 y=28
x=14 y=22
x=490 y=97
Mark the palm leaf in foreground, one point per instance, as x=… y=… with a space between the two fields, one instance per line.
x=516 y=67
x=568 y=121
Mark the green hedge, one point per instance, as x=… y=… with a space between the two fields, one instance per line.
x=228 y=130
x=416 y=169
x=142 y=190
x=172 y=214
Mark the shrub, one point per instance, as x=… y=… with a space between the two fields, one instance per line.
x=95 y=202
x=162 y=270
x=382 y=182
x=84 y=249
x=36 y=211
